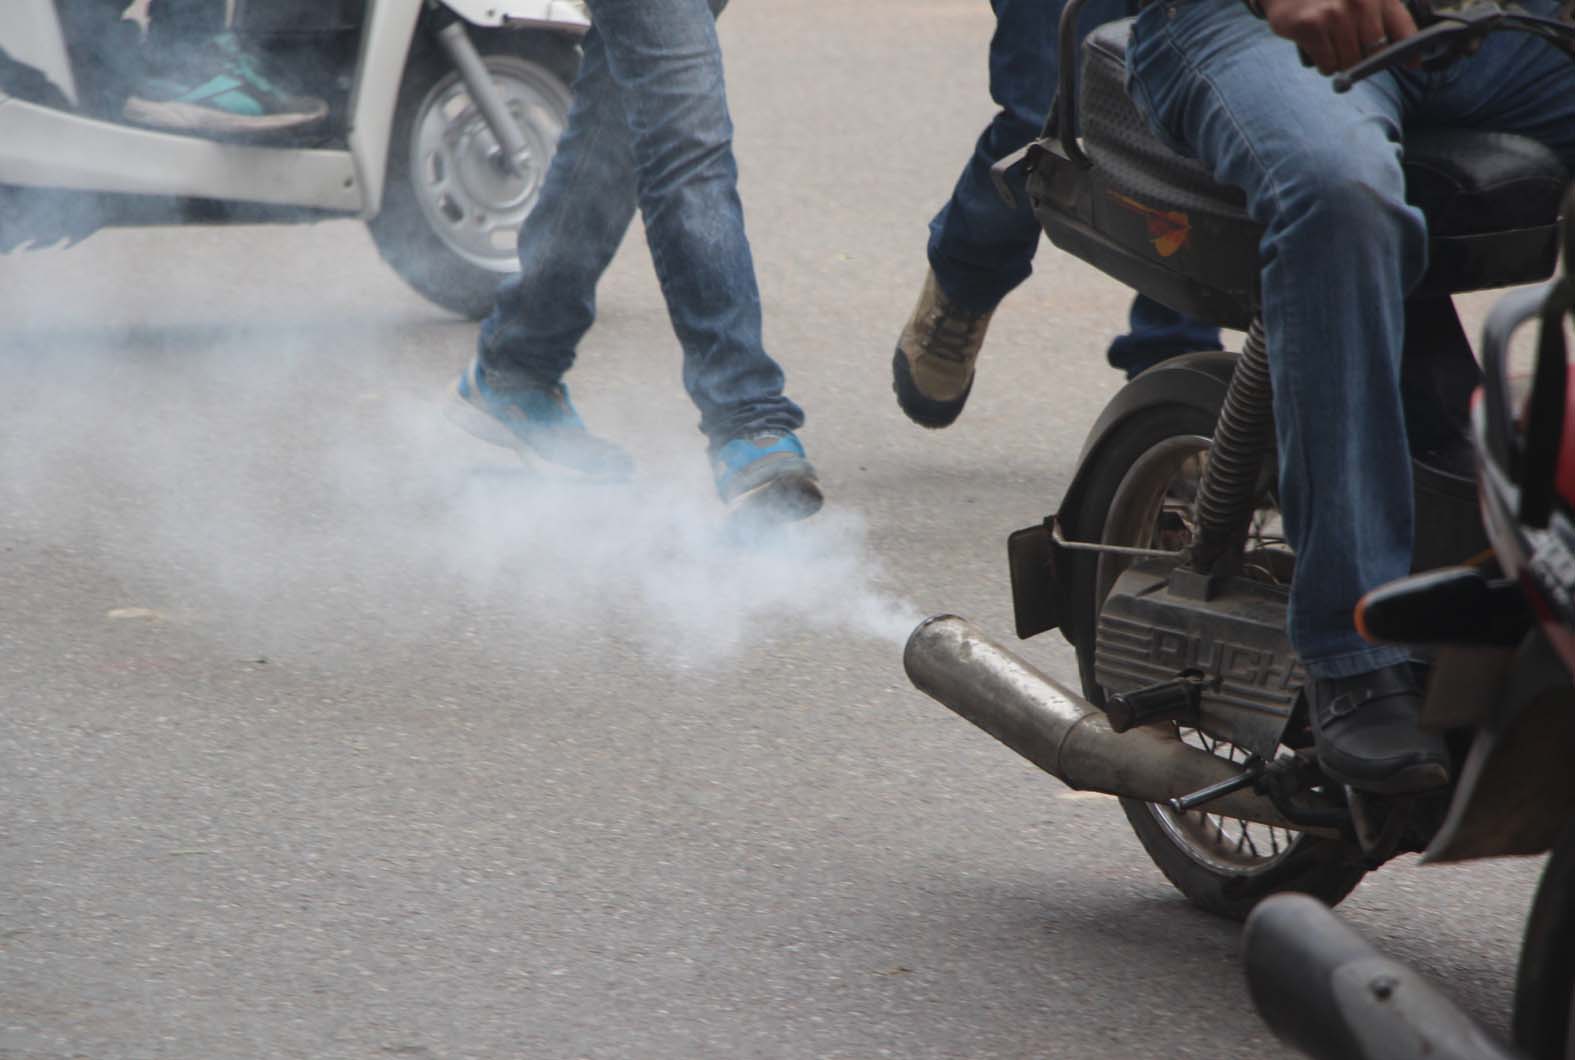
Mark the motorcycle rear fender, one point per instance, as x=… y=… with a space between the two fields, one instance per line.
x=1041 y=569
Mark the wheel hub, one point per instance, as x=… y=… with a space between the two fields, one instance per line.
x=472 y=196
x=485 y=176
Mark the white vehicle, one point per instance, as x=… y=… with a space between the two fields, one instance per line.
x=444 y=117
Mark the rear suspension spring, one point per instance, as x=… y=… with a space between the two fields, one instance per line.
x=1241 y=439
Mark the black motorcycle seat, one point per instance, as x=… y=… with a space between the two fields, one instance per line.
x=1491 y=198
x=1470 y=181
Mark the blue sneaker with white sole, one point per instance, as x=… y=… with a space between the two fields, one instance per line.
x=765 y=475
x=221 y=91
x=537 y=420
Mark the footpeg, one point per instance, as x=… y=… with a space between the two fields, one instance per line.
x=1173 y=700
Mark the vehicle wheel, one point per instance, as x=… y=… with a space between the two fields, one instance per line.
x=1140 y=496
x=451 y=210
x=1545 y=982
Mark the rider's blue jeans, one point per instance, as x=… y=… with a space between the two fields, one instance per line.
x=980 y=248
x=649 y=128
x=1341 y=249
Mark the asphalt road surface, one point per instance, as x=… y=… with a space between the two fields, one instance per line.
x=327 y=732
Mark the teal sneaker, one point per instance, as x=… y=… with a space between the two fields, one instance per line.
x=537 y=420
x=222 y=92
x=765 y=475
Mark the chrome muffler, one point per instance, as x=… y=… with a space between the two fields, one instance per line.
x=952 y=662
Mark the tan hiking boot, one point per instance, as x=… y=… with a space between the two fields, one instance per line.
x=932 y=371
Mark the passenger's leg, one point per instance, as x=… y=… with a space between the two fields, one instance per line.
x=1158 y=333
x=981 y=249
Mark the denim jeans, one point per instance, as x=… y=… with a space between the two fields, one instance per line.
x=980 y=248
x=1341 y=249
x=649 y=128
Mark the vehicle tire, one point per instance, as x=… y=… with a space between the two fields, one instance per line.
x=1545 y=982
x=450 y=210
x=1222 y=865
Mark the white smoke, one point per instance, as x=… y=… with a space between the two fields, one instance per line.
x=209 y=494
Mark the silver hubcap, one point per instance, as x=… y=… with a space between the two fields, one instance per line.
x=1153 y=509
x=473 y=199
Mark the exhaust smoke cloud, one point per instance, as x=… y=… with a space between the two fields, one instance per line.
x=204 y=469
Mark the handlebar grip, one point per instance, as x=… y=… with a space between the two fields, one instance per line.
x=1324 y=989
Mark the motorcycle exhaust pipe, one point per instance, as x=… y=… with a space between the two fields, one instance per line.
x=952 y=662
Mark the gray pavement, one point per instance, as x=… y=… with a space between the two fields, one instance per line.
x=325 y=732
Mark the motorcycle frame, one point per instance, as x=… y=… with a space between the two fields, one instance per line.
x=46 y=147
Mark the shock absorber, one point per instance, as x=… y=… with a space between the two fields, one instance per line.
x=1242 y=437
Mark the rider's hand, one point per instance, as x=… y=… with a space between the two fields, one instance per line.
x=1337 y=34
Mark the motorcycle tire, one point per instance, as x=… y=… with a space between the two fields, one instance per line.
x=1545 y=981
x=450 y=211
x=1225 y=885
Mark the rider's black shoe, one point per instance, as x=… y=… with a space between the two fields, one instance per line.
x=1368 y=736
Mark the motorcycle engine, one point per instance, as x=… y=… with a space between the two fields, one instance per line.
x=1149 y=632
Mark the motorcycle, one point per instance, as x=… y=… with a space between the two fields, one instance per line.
x=1166 y=567
x=1314 y=980
x=443 y=119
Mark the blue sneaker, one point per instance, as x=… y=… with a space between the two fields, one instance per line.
x=538 y=420
x=765 y=474
x=222 y=92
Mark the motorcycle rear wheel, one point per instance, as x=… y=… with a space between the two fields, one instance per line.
x=1136 y=498
x=451 y=211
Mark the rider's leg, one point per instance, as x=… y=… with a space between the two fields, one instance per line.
x=1341 y=249
x=980 y=249
x=202 y=80
x=1514 y=83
